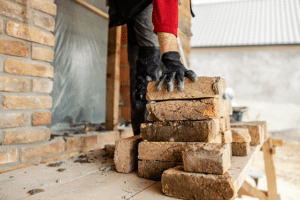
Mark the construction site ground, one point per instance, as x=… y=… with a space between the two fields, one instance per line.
x=91 y=176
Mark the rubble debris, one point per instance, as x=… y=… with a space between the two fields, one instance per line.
x=35 y=191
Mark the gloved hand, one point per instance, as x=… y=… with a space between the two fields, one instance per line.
x=174 y=69
x=149 y=68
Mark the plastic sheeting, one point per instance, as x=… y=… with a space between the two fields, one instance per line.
x=79 y=64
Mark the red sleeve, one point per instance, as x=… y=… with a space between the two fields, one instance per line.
x=165 y=16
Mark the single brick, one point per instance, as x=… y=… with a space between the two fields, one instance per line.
x=186 y=185
x=8 y=84
x=1 y=26
x=153 y=170
x=26 y=136
x=8 y=155
x=226 y=137
x=80 y=141
x=26 y=102
x=240 y=148
x=240 y=135
x=186 y=110
x=42 y=149
x=43 y=86
x=39 y=53
x=254 y=131
x=41 y=118
x=180 y=131
x=227 y=122
x=13 y=66
x=209 y=158
x=203 y=87
x=45 y=6
x=126 y=153
x=222 y=124
x=44 y=22
x=10 y=120
x=12 y=11
x=164 y=151
x=107 y=136
x=13 y=48
x=30 y=34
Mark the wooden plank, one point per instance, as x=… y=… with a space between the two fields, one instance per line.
x=113 y=78
x=270 y=169
x=92 y=8
x=241 y=165
x=251 y=191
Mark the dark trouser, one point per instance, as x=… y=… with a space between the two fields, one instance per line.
x=140 y=34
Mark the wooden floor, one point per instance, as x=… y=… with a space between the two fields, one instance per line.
x=93 y=178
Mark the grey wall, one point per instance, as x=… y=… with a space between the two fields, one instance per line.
x=267 y=79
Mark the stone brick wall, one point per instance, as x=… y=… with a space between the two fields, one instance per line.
x=26 y=41
x=184 y=33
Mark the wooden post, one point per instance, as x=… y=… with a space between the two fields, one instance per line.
x=92 y=8
x=251 y=191
x=268 y=151
x=113 y=78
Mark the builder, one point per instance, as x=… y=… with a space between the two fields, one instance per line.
x=152 y=32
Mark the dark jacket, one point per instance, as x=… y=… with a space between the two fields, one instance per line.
x=121 y=11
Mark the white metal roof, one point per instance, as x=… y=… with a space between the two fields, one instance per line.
x=246 y=22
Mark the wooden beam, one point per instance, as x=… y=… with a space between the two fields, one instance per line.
x=113 y=78
x=270 y=169
x=251 y=191
x=92 y=8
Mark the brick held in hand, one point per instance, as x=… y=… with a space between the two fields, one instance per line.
x=204 y=87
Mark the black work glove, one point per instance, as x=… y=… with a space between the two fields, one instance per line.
x=149 y=68
x=174 y=69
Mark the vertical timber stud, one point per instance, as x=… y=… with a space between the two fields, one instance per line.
x=113 y=76
x=268 y=151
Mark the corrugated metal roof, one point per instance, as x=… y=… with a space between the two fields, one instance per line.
x=246 y=22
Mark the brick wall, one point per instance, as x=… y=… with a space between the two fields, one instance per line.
x=26 y=41
x=184 y=33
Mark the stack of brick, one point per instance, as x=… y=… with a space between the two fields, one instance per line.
x=179 y=120
x=203 y=174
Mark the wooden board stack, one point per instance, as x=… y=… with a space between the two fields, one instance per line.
x=190 y=119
